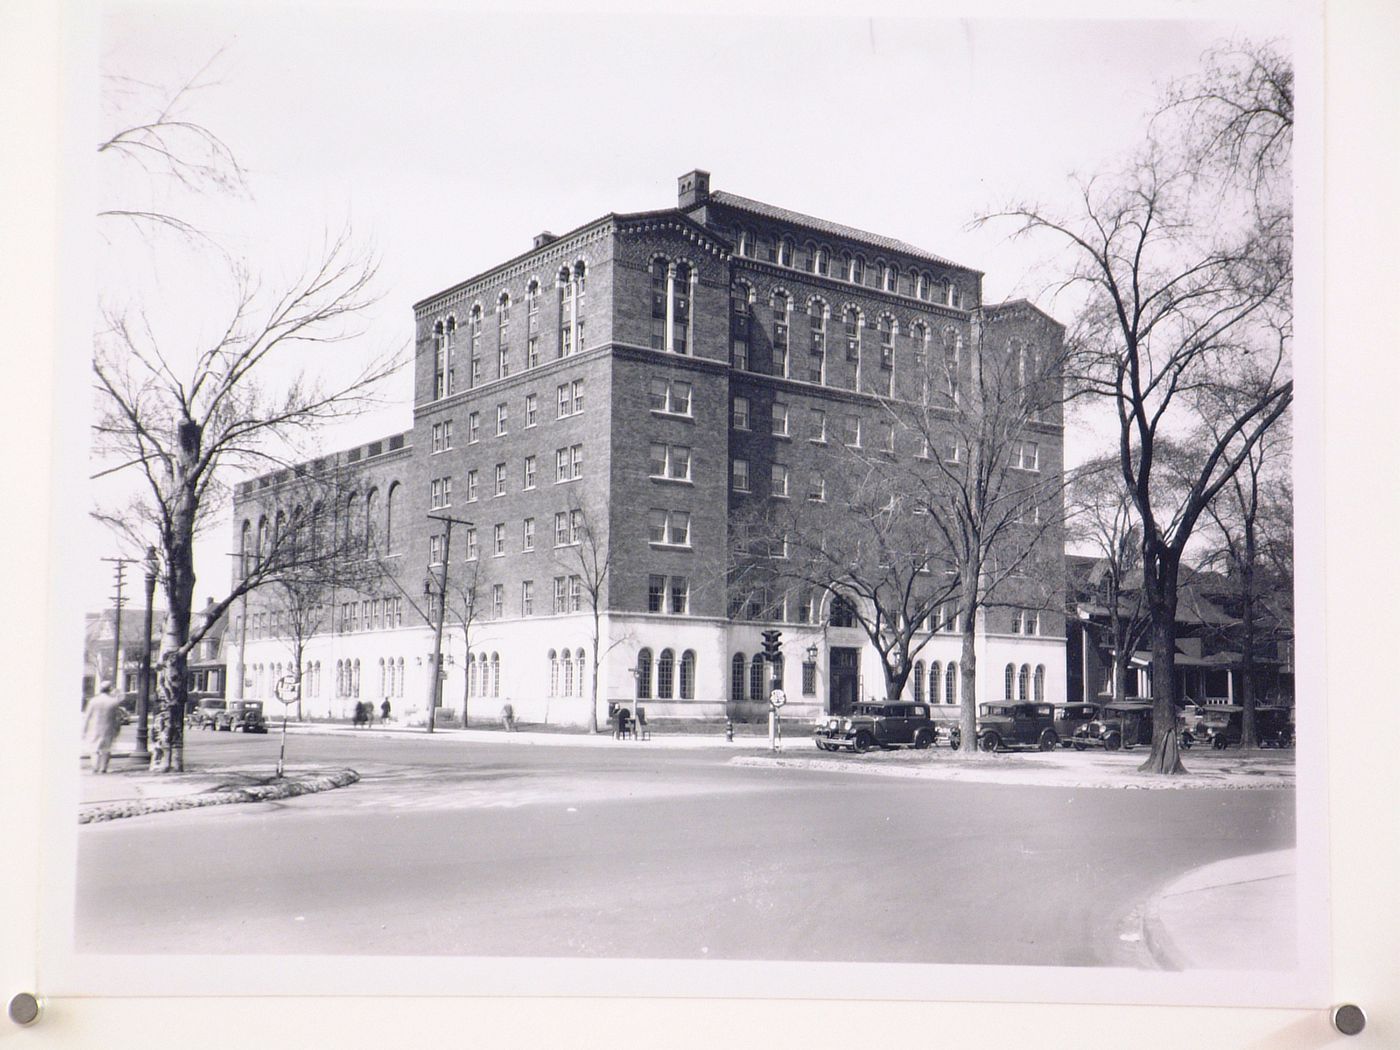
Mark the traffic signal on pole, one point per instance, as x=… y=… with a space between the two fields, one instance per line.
x=773 y=646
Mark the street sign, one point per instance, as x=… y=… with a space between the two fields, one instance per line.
x=287 y=689
x=777 y=698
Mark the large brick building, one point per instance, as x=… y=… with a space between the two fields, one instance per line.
x=626 y=390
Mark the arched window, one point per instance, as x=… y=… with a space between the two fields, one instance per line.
x=471 y=675
x=659 y=299
x=495 y=675
x=245 y=547
x=858 y=270
x=665 y=675
x=1010 y=680
x=688 y=675
x=644 y=675
x=553 y=673
x=355 y=683
x=579 y=665
x=736 y=677
x=850 y=322
x=371 y=527
x=816 y=365
x=918 y=681
x=821 y=260
x=756 y=687
x=383 y=679
x=1023 y=683
x=843 y=613
x=339 y=679
x=935 y=681
x=950 y=695
x=785 y=252
x=391 y=514
x=1040 y=684
x=780 y=334
x=568 y=662
x=264 y=541
x=680 y=310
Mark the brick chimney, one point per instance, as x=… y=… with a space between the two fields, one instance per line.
x=543 y=238
x=692 y=188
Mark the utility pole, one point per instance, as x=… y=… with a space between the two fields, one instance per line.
x=143 y=699
x=435 y=681
x=118 y=601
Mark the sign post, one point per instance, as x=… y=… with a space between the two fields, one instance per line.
x=289 y=692
x=776 y=699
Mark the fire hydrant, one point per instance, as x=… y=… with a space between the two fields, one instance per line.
x=729 y=730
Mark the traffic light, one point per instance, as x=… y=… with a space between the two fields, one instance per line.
x=773 y=646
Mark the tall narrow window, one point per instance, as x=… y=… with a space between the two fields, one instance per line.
x=475 y=362
x=1010 y=678
x=816 y=364
x=935 y=682
x=736 y=678
x=659 y=300
x=680 y=310
x=950 y=693
x=665 y=674
x=1040 y=683
x=503 y=336
x=780 y=334
x=739 y=321
x=644 y=675
x=688 y=675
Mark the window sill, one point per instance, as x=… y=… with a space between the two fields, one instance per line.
x=677 y=416
x=657 y=545
x=670 y=481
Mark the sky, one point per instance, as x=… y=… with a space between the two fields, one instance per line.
x=445 y=138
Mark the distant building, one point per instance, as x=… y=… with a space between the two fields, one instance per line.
x=642 y=379
x=207 y=672
x=1209 y=660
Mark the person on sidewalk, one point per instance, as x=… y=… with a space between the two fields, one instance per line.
x=100 y=728
x=384 y=712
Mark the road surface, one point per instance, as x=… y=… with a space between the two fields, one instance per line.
x=447 y=847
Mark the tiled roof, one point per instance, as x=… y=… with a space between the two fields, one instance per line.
x=834 y=229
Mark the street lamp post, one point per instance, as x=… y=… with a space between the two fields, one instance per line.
x=143 y=699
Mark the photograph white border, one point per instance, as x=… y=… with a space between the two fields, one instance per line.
x=1362 y=854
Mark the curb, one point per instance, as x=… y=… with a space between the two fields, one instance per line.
x=102 y=811
x=1024 y=775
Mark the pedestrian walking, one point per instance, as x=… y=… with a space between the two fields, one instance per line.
x=100 y=728
x=384 y=712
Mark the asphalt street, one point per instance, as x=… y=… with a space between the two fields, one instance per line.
x=448 y=847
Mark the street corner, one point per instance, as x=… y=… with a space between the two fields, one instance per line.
x=142 y=794
x=1236 y=914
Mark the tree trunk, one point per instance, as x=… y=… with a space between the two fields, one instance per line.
x=1249 y=734
x=593 y=704
x=967 y=672
x=1159 y=577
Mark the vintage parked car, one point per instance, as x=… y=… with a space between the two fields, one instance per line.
x=1008 y=725
x=874 y=724
x=1069 y=717
x=205 y=712
x=1222 y=726
x=246 y=715
x=1124 y=725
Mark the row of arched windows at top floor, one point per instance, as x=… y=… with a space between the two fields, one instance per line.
x=369 y=523
x=667 y=679
x=811 y=256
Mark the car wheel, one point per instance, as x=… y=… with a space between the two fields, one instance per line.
x=922 y=739
x=1079 y=745
x=1220 y=743
x=990 y=741
x=864 y=742
x=955 y=738
x=1112 y=742
x=1048 y=740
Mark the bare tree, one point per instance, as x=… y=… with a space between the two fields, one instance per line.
x=588 y=559
x=464 y=605
x=180 y=420
x=989 y=493
x=1248 y=522
x=1179 y=304
x=1101 y=515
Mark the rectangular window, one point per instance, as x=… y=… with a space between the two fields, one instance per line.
x=575 y=593
x=532 y=410
x=559 y=594
x=501 y=412
x=680 y=595
x=527 y=597
x=670 y=461
x=530 y=463
x=576 y=461
x=850 y=431
x=740 y=413
x=780 y=481
x=809 y=678
x=527 y=530
x=532 y=352
x=473 y=428
x=502 y=360
x=1028 y=455
x=500 y=479
x=816 y=491
x=887 y=437
x=670 y=396
x=656 y=594
x=671 y=527
x=739 y=356
x=498 y=601
x=476 y=371
x=471 y=486
x=741 y=475
x=1031 y=622
x=471 y=545
x=575 y=526
x=500 y=539
x=437 y=438
x=561 y=529
x=561 y=465
x=819 y=426
x=577 y=389
x=780 y=419
x=564 y=400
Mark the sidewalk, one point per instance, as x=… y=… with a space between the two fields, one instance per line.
x=1238 y=914
x=136 y=791
x=744 y=739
